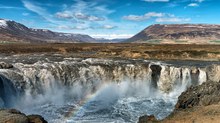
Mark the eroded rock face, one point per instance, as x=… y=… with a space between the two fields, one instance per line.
x=15 y=116
x=36 y=119
x=214 y=73
x=206 y=94
x=147 y=119
x=12 y=116
x=156 y=69
x=8 y=92
x=4 y=65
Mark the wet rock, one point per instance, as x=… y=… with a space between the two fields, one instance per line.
x=12 y=116
x=213 y=73
x=36 y=119
x=147 y=119
x=206 y=94
x=8 y=93
x=156 y=69
x=15 y=116
x=4 y=65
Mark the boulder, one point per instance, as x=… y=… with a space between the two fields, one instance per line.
x=15 y=116
x=36 y=119
x=203 y=95
x=4 y=65
x=147 y=119
x=12 y=116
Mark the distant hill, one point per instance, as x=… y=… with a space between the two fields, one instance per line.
x=103 y=40
x=11 y=31
x=178 y=33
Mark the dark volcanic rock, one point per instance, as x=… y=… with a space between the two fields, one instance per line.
x=147 y=119
x=4 y=65
x=12 y=116
x=156 y=69
x=206 y=94
x=36 y=119
x=15 y=116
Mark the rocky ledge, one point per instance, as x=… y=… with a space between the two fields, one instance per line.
x=4 y=65
x=206 y=94
x=197 y=104
x=15 y=116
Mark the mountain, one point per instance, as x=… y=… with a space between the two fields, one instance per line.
x=101 y=40
x=11 y=31
x=178 y=33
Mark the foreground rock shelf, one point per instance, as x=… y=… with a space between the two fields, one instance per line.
x=15 y=116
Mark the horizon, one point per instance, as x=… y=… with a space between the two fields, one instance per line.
x=108 y=19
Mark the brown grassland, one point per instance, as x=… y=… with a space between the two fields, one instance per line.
x=121 y=50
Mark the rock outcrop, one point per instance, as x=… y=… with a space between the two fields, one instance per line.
x=147 y=119
x=15 y=116
x=36 y=119
x=198 y=101
x=203 y=95
x=4 y=65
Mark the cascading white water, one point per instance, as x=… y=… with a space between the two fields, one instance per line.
x=97 y=90
x=202 y=76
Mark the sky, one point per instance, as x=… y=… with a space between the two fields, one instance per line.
x=108 y=18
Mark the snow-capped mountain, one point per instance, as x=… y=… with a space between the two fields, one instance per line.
x=13 y=31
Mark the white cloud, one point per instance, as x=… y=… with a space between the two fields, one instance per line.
x=109 y=27
x=90 y=8
x=65 y=27
x=25 y=14
x=193 y=5
x=156 y=0
x=89 y=14
x=32 y=7
x=65 y=15
x=112 y=36
x=78 y=15
x=39 y=10
x=172 y=20
x=146 y=16
x=95 y=18
x=82 y=16
x=159 y=17
x=80 y=27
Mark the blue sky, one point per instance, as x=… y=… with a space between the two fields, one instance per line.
x=108 y=18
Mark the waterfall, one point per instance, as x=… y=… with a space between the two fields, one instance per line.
x=202 y=76
x=76 y=81
x=43 y=77
x=8 y=92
